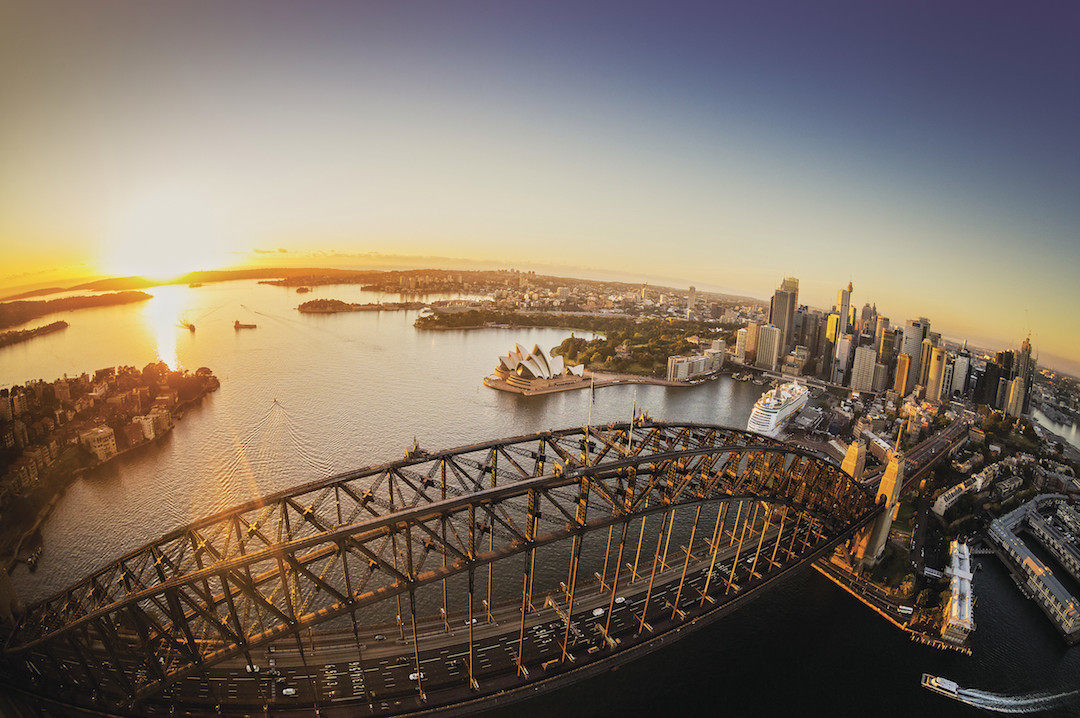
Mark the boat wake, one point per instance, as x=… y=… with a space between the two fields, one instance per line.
x=1026 y=703
x=270 y=446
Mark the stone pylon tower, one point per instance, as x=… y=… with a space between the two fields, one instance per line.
x=870 y=544
x=855 y=460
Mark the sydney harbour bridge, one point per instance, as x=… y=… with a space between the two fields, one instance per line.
x=445 y=582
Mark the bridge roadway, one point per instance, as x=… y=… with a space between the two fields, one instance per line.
x=377 y=676
x=273 y=607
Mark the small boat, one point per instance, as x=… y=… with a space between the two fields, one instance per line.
x=194 y=285
x=238 y=325
x=940 y=685
x=303 y=290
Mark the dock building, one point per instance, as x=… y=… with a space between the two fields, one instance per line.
x=959 y=617
x=1055 y=600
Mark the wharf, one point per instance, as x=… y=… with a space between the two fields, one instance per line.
x=848 y=581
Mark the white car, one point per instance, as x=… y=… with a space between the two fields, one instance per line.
x=288 y=691
x=416 y=676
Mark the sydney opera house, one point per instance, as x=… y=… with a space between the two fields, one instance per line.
x=533 y=372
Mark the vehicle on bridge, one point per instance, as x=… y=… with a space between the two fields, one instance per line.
x=494 y=574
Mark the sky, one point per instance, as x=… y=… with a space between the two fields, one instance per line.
x=925 y=151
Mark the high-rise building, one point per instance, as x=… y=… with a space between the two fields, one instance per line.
x=881 y=328
x=740 y=344
x=750 y=353
x=862 y=370
x=843 y=308
x=901 y=384
x=1015 y=404
x=986 y=388
x=885 y=348
x=947 y=377
x=843 y=359
x=691 y=299
x=791 y=284
x=915 y=330
x=925 y=350
x=935 y=373
x=961 y=366
x=832 y=328
x=867 y=319
x=881 y=377
x=768 y=349
x=782 y=315
x=1025 y=369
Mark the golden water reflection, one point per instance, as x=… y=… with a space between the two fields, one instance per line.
x=163 y=315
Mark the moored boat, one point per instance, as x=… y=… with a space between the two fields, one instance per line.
x=238 y=325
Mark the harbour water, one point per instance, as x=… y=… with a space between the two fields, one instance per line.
x=308 y=396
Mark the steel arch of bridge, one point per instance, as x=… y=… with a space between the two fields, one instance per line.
x=273 y=568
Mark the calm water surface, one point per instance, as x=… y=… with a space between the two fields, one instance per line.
x=307 y=396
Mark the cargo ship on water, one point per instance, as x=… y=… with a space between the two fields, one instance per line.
x=776 y=406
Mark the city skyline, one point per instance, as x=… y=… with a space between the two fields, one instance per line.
x=921 y=153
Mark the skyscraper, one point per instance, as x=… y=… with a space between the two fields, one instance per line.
x=935 y=373
x=768 y=349
x=691 y=299
x=885 y=347
x=843 y=358
x=915 y=330
x=1025 y=369
x=782 y=315
x=901 y=385
x=1014 y=405
x=751 y=342
x=961 y=366
x=867 y=319
x=862 y=371
x=843 y=308
x=926 y=349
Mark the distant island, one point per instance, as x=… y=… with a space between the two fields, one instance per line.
x=21 y=335
x=333 y=306
x=19 y=312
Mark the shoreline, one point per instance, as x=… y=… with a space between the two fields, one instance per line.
x=1069 y=450
x=590 y=379
x=8 y=563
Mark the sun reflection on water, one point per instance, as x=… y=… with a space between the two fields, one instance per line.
x=163 y=315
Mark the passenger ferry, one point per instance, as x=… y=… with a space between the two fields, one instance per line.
x=940 y=685
x=776 y=406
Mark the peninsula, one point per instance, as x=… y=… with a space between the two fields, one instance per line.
x=52 y=433
x=333 y=306
x=18 y=312
x=21 y=335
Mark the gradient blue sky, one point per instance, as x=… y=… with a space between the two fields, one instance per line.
x=926 y=151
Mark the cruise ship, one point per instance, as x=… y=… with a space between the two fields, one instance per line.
x=775 y=407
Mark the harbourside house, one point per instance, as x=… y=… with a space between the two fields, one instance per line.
x=534 y=371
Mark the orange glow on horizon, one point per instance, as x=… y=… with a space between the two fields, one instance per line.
x=162 y=236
